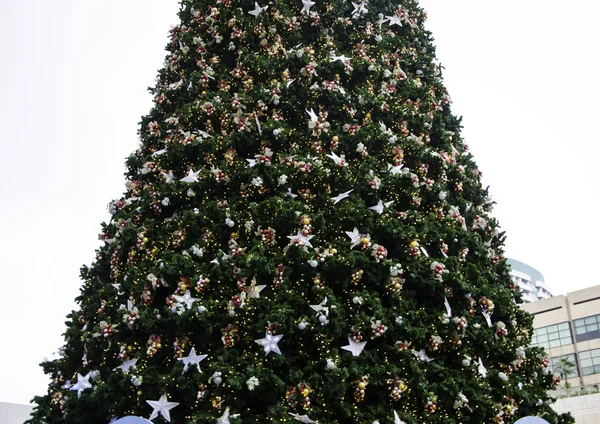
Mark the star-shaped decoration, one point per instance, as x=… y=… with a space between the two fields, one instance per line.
x=341 y=196
x=487 y=317
x=127 y=366
x=321 y=307
x=359 y=8
x=301 y=239
x=380 y=206
x=395 y=170
x=394 y=20
x=355 y=237
x=480 y=368
x=254 y=290
x=169 y=177
x=224 y=419
x=336 y=159
x=302 y=418
x=397 y=419
x=238 y=115
x=192 y=177
x=269 y=342
x=313 y=115
x=341 y=58
x=381 y=20
x=422 y=355
x=290 y=194
x=83 y=383
x=257 y=10
x=448 y=308
x=186 y=298
x=306 y=5
x=354 y=347
x=192 y=359
x=162 y=407
x=159 y=152
x=204 y=134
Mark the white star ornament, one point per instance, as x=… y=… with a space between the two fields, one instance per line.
x=83 y=383
x=162 y=407
x=269 y=343
x=192 y=359
x=354 y=347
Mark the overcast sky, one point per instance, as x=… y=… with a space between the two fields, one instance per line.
x=73 y=87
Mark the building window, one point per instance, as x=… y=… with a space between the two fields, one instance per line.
x=554 y=361
x=552 y=336
x=587 y=328
x=590 y=362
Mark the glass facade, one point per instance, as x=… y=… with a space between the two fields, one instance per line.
x=554 y=361
x=587 y=328
x=552 y=336
x=590 y=361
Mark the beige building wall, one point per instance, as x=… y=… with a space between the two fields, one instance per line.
x=560 y=309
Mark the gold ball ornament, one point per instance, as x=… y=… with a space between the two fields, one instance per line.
x=306 y=221
x=305 y=392
x=335 y=138
x=414 y=244
x=183 y=287
x=361 y=385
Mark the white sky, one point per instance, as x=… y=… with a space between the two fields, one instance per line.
x=73 y=88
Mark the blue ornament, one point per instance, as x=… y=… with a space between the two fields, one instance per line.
x=532 y=420
x=131 y=420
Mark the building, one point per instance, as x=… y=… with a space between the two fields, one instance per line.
x=529 y=280
x=568 y=326
x=12 y=413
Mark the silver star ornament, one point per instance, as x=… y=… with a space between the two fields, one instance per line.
x=269 y=343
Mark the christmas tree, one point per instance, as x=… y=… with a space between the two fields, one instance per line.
x=304 y=237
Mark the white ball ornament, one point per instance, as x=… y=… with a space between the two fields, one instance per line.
x=276 y=131
x=356 y=300
x=466 y=362
x=201 y=309
x=302 y=325
x=217 y=380
x=231 y=313
x=313 y=263
x=322 y=319
x=330 y=364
